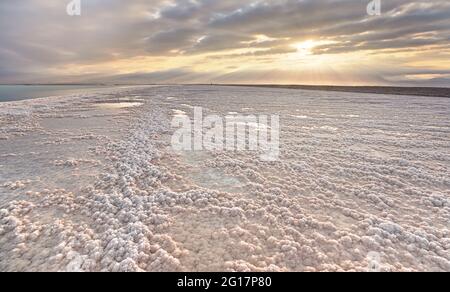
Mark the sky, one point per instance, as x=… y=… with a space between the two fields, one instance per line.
x=314 y=42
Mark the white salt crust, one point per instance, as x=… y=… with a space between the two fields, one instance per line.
x=356 y=175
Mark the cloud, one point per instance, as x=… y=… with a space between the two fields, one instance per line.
x=167 y=41
x=38 y=39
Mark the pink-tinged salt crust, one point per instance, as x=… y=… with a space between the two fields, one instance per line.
x=86 y=187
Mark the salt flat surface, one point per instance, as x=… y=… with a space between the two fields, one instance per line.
x=90 y=183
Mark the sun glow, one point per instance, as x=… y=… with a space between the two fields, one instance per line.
x=305 y=48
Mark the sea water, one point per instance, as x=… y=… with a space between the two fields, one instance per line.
x=22 y=92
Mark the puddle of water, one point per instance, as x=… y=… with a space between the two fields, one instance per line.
x=207 y=177
x=119 y=105
x=329 y=128
x=301 y=117
x=178 y=113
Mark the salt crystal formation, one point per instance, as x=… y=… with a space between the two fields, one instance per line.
x=90 y=188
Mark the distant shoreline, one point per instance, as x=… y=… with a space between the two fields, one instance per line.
x=392 y=90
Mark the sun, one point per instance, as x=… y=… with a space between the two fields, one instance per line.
x=305 y=47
